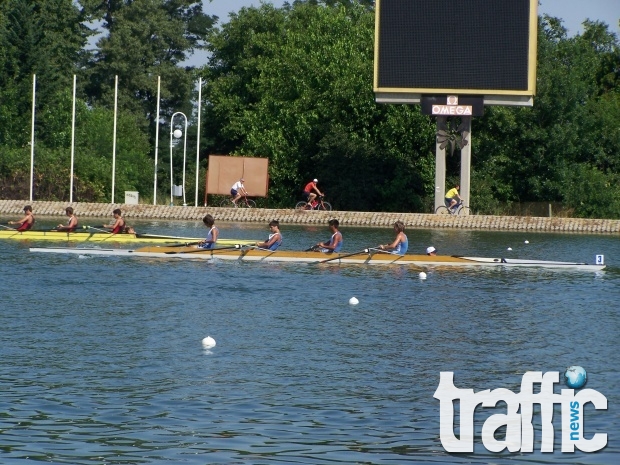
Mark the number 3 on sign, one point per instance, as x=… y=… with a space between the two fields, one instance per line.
x=600 y=259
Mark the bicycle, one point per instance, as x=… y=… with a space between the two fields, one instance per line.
x=458 y=209
x=317 y=204
x=243 y=202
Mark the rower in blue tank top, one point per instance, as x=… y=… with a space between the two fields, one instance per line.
x=334 y=244
x=400 y=244
x=210 y=241
x=275 y=237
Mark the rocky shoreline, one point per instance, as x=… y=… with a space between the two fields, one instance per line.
x=14 y=208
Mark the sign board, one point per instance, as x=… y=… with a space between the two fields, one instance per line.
x=225 y=170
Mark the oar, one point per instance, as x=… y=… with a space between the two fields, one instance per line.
x=311 y=249
x=199 y=250
x=345 y=256
x=187 y=244
x=7 y=227
x=96 y=229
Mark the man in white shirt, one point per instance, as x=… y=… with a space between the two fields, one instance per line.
x=237 y=190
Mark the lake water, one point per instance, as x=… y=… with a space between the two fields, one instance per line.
x=102 y=362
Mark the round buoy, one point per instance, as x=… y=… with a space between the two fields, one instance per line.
x=526 y=242
x=509 y=248
x=208 y=342
x=422 y=275
x=353 y=301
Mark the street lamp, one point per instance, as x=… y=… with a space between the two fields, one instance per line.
x=177 y=134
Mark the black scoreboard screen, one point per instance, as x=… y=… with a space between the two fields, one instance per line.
x=456 y=46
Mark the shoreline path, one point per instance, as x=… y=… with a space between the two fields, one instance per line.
x=346 y=218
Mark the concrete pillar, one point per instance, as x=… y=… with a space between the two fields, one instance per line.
x=440 y=167
x=466 y=164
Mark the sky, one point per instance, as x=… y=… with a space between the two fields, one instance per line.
x=573 y=12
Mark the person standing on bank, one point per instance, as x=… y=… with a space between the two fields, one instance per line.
x=119 y=223
x=72 y=223
x=401 y=243
x=27 y=222
x=210 y=241
x=237 y=190
x=275 y=237
x=334 y=244
x=311 y=191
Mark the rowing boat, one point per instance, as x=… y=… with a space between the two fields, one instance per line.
x=364 y=257
x=96 y=236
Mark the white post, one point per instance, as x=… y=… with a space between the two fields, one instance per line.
x=34 y=89
x=114 y=136
x=198 y=139
x=184 y=156
x=72 y=141
x=156 y=140
x=184 y=160
x=466 y=165
x=440 y=167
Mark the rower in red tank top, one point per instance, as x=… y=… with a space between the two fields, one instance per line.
x=71 y=225
x=27 y=222
x=119 y=223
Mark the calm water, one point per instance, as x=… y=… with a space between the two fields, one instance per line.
x=101 y=358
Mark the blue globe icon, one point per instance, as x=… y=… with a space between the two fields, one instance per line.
x=575 y=377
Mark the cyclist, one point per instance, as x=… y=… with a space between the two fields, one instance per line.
x=311 y=191
x=453 y=199
x=237 y=190
x=334 y=244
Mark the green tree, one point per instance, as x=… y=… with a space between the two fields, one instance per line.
x=295 y=85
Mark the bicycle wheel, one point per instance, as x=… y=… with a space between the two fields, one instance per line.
x=442 y=210
x=227 y=203
x=324 y=206
x=463 y=210
x=248 y=203
x=301 y=206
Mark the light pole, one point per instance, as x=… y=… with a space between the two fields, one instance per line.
x=176 y=135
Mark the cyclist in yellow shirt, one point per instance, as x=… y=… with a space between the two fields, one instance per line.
x=453 y=199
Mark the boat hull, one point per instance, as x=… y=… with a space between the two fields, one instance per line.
x=97 y=237
x=253 y=254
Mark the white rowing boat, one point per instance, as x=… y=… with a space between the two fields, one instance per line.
x=363 y=257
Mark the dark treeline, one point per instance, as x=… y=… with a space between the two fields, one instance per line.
x=293 y=84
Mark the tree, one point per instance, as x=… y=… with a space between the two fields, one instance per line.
x=295 y=85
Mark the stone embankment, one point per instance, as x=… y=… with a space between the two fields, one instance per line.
x=14 y=208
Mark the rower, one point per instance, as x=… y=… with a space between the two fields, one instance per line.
x=401 y=243
x=119 y=223
x=431 y=251
x=334 y=244
x=72 y=223
x=27 y=222
x=275 y=237
x=211 y=239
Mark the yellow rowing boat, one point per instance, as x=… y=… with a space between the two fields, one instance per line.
x=96 y=236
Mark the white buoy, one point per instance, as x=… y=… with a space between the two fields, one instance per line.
x=177 y=133
x=422 y=275
x=353 y=301
x=509 y=248
x=208 y=342
x=526 y=242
